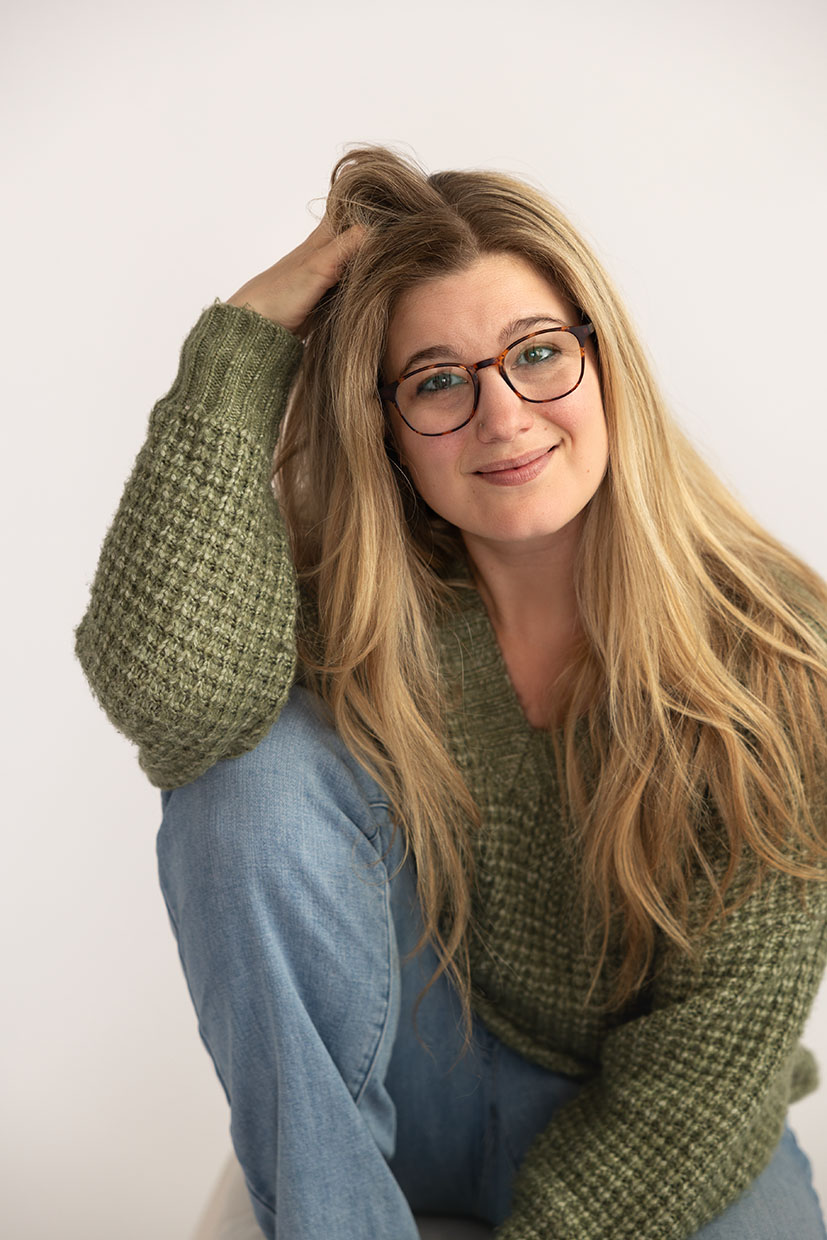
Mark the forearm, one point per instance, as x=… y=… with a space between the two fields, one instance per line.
x=691 y=1097
x=188 y=639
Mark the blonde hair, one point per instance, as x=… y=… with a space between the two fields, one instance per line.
x=704 y=682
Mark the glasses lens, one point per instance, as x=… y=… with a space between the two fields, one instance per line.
x=545 y=366
x=436 y=400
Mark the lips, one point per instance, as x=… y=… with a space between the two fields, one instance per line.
x=516 y=462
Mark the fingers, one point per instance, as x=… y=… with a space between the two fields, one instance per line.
x=287 y=292
x=350 y=240
x=333 y=250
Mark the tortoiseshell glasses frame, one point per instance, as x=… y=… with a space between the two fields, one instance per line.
x=581 y=332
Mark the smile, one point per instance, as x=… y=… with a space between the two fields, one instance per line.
x=515 y=472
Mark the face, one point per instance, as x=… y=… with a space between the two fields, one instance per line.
x=517 y=473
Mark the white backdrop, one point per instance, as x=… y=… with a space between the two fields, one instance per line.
x=158 y=155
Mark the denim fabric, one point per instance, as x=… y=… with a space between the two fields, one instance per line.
x=293 y=919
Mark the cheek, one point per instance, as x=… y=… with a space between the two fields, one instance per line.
x=425 y=473
x=416 y=453
x=585 y=421
x=432 y=465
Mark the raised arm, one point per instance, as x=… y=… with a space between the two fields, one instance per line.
x=188 y=639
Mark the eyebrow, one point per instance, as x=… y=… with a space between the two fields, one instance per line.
x=512 y=330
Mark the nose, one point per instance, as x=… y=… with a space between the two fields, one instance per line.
x=501 y=414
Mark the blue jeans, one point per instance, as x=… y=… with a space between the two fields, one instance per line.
x=292 y=938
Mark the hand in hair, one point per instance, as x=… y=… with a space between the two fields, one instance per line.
x=287 y=292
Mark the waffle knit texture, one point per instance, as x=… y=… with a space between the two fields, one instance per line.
x=188 y=644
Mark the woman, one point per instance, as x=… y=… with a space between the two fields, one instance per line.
x=492 y=756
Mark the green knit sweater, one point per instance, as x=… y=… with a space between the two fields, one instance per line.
x=188 y=643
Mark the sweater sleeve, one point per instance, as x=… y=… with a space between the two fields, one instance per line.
x=691 y=1098
x=188 y=641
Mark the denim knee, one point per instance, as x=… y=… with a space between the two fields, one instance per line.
x=277 y=803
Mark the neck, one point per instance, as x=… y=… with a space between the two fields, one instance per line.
x=528 y=589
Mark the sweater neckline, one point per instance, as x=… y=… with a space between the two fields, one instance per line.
x=481 y=655
x=503 y=737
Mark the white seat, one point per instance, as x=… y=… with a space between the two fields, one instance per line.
x=229 y=1214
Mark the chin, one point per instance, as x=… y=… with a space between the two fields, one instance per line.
x=526 y=529
x=508 y=532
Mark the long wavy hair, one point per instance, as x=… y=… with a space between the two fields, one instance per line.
x=702 y=669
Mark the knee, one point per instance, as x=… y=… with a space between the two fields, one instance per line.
x=294 y=801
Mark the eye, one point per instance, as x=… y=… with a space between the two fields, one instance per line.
x=534 y=354
x=440 y=381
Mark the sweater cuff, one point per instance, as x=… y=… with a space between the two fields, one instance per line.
x=238 y=365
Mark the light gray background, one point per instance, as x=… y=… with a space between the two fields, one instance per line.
x=158 y=155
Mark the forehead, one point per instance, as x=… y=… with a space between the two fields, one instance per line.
x=467 y=311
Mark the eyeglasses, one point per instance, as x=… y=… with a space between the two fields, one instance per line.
x=443 y=397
